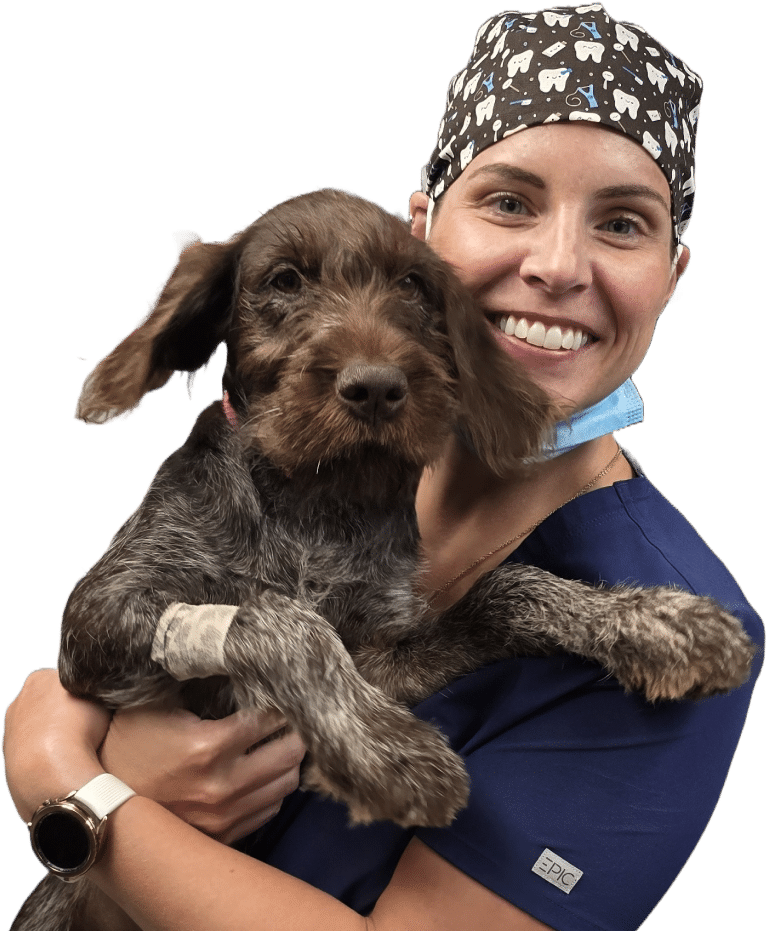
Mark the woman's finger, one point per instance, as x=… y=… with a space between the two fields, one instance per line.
x=243 y=815
x=245 y=730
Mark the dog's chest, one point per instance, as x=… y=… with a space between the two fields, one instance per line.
x=350 y=556
x=356 y=569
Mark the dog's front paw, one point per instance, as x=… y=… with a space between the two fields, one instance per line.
x=406 y=773
x=696 y=649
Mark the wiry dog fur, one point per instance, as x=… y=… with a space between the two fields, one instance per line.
x=352 y=353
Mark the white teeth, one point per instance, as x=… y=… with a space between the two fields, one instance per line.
x=537 y=334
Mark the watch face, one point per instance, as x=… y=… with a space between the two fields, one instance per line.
x=62 y=841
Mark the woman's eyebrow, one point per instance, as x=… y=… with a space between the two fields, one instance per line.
x=511 y=173
x=632 y=190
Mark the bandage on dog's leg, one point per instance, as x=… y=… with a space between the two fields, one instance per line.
x=189 y=640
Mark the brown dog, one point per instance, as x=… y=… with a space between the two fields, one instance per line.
x=272 y=562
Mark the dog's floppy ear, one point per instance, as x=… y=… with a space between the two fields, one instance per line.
x=190 y=319
x=504 y=415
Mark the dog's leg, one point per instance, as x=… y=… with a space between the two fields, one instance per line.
x=53 y=905
x=58 y=906
x=365 y=750
x=664 y=642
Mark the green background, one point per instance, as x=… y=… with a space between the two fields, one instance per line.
x=127 y=122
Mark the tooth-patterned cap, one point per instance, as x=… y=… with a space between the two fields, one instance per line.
x=571 y=63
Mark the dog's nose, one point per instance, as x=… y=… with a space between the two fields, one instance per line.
x=372 y=392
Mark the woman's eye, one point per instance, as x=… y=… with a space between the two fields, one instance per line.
x=511 y=206
x=622 y=226
x=288 y=281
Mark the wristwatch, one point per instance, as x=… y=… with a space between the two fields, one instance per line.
x=67 y=834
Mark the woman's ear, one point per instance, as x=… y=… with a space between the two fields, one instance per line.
x=682 y=261
x=419 y=204
x=677 y=270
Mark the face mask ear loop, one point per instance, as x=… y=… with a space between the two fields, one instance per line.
x=429 y=215
x=679 y=251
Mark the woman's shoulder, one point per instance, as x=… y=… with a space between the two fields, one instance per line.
x=629 y=533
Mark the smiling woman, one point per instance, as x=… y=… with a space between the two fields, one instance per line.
x=585 y=802
x=555 y=242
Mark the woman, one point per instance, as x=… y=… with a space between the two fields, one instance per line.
x=574 y=230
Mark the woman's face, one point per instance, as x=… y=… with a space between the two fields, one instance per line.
x=563 y=235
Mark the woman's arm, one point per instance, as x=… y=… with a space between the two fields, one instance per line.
x=225 y=778
x=169 y=876
x=207 y=886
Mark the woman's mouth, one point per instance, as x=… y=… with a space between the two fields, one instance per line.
x=536 y=333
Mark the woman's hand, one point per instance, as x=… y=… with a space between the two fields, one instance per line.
x=208 y=773
x=51 y=742
x=219 y=776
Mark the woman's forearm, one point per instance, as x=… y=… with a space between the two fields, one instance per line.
x=166 y=874
x=170 y=877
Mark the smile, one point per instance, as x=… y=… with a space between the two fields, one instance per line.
x=538 y=334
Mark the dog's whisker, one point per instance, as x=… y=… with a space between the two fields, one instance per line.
x=254 y=418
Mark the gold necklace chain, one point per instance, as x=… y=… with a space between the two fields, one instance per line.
x=529 y=530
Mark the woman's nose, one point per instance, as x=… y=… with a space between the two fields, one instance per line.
x=557 y=256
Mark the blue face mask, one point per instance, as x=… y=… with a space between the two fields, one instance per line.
x=620 y=409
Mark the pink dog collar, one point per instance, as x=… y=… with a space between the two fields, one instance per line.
x=231 y=416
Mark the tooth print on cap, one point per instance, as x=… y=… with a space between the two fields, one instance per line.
x=571 y=63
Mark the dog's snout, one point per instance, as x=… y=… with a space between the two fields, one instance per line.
x=373 y=392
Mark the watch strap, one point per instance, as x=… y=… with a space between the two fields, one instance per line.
x=103 y=794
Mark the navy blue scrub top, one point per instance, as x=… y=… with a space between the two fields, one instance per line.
x=561 y=760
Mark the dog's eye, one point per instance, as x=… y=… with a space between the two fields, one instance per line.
x=288 y=281
x=412 y=285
